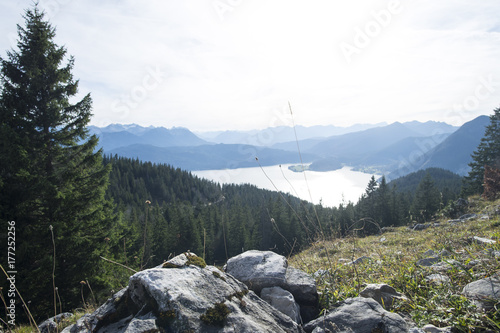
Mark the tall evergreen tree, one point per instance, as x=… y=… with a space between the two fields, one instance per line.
x=487 y=153
x=52 y=181
x=367 y=201
x=427 y=199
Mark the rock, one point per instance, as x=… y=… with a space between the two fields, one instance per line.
x=429 y=253
x=387 y=229
x=283 y=301
x=433 y=259
x=50 y=325
x=265 y=269
x=107 y=310
x=467 y=217
x=359 y=260
x=184 y=259
x=443 y=266
x=420 y=226
x=301 y=285
x=321 y=273
x=358 y=315
x=258 y=269
x=444 y=253
x=433 y=329
x=416 y=330
x=428 y=261
x=303 y=288
x=482 y=240
x=185 y=299
x=484 y=293
x=437 y=279
x=384 y=294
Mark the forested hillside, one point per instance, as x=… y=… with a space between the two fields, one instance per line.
x=164 y=211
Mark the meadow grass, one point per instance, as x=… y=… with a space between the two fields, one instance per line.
x=393 y=260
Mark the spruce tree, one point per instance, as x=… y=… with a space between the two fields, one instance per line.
x=52 y=179
x=427 y=199
x=487 y=153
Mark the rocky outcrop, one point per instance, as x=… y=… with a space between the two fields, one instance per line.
x=266 y=269
x=185 y=296
x=358 y=315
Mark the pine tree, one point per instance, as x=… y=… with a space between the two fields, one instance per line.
x=52 y=181
x=487 y=153
x=427 y=199
x=367 y=202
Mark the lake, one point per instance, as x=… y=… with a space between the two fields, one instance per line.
x=331 y=187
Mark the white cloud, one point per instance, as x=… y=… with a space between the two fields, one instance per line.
x=240 y=67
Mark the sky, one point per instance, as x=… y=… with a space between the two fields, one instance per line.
x=211 y=65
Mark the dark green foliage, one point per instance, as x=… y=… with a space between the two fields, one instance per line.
x=418 y=195
x=51 y=178
x=427 y=200
x=447 y=182
x=487 y=153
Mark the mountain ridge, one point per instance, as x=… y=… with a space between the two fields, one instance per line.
x=385 y=149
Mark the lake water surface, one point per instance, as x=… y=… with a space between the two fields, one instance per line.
x=331 y=187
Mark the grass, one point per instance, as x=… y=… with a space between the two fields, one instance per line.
x=393 y=256
x=77 y=314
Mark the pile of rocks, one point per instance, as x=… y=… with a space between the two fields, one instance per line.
x=255 y=292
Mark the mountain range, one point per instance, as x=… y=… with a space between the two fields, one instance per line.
x=392 y=149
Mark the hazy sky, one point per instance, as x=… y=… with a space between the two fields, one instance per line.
x=235 y=64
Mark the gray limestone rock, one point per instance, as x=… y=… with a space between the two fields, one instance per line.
x=384 y=294
x=358 y=315
x=185 y=299
x=258 y=269
x=50 y=325
x=282 y=300
x=485 y=292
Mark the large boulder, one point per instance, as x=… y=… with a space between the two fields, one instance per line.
x=185 y=296
x=358 y=315
x=258 y=269
x=266 y=269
